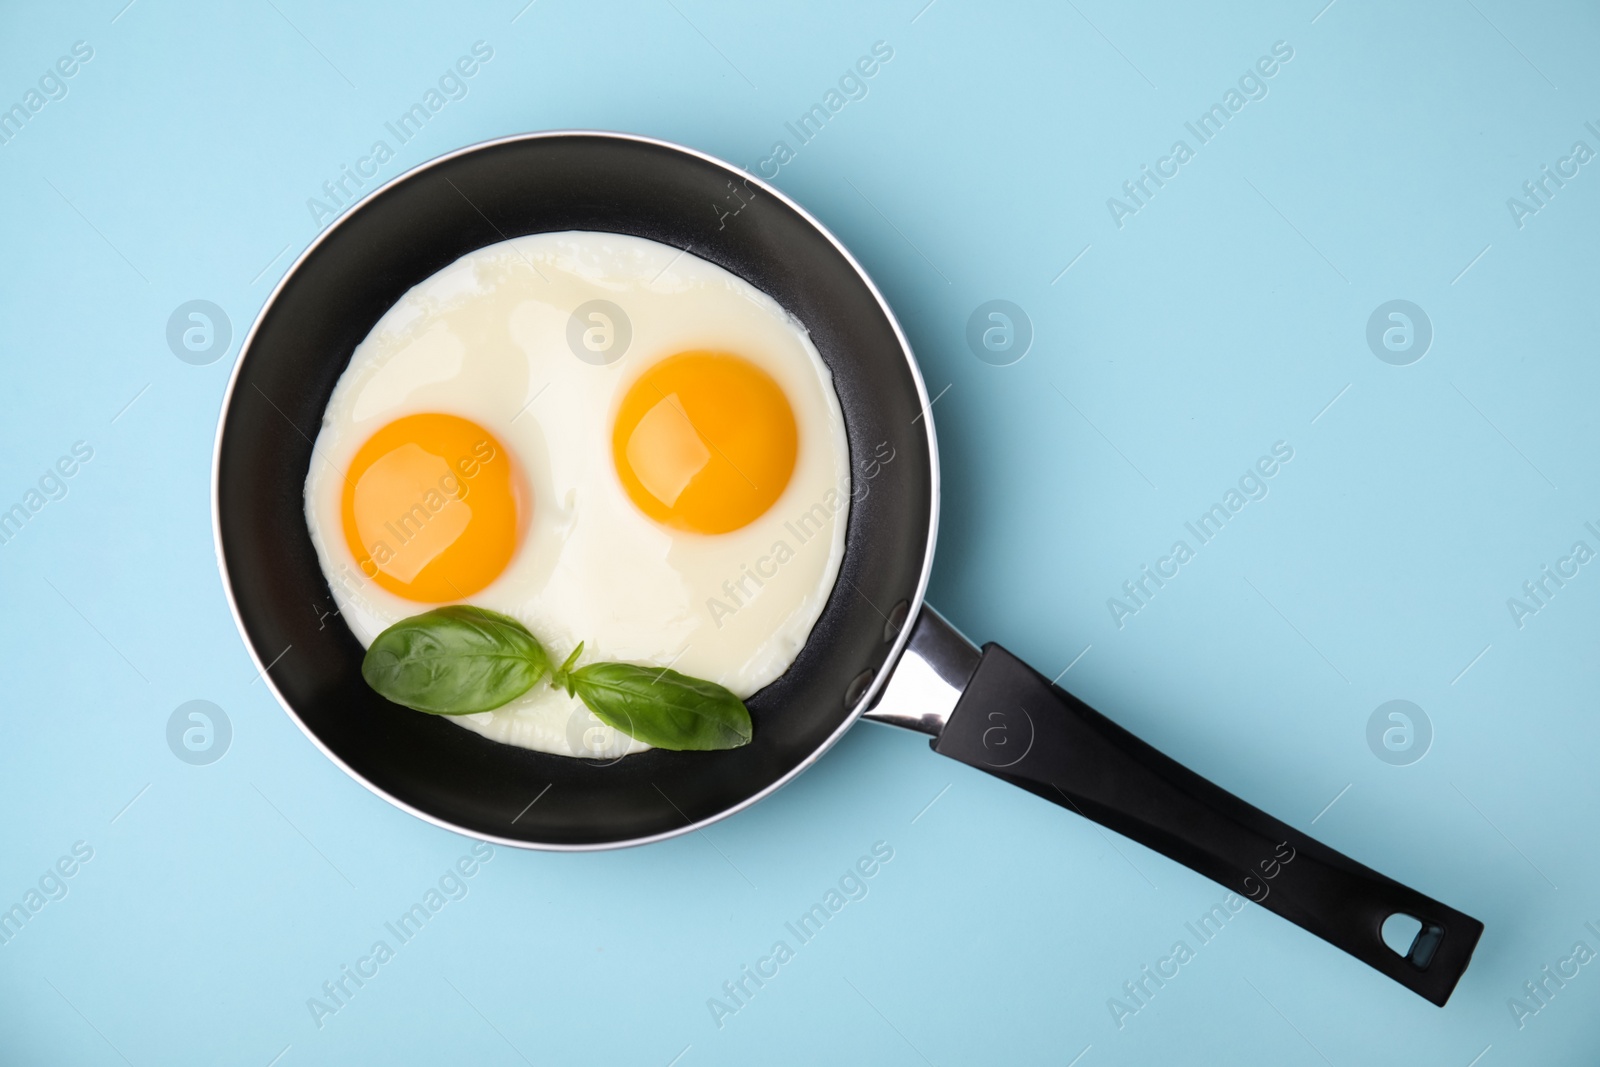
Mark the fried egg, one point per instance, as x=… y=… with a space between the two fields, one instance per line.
x=610 y=439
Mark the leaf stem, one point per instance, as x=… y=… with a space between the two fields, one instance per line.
x=562 y=679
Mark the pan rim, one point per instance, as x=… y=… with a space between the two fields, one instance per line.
x=897 y=646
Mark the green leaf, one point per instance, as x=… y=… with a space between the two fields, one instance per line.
x=455 y=661
x=662 y=707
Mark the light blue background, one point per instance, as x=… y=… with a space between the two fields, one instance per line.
x=1223 y=317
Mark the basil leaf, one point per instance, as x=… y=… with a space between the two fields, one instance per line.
x=662 y=707
x=455 y=660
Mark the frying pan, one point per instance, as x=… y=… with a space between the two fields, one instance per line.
x=877 y=649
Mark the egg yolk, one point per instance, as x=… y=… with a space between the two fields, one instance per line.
x=704 y=442
x=432 y=507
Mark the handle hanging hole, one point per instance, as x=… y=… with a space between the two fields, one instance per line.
x=1412 y=938
x=1400 y=932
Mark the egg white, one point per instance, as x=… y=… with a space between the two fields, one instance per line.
x=486 y=338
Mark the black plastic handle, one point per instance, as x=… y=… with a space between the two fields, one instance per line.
x=1013 y=723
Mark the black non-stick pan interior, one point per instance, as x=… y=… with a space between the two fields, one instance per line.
x=325 y=307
